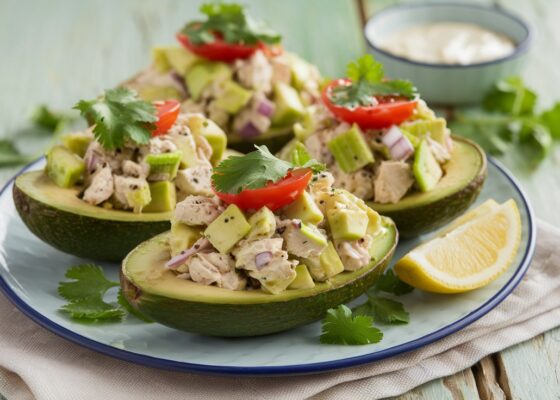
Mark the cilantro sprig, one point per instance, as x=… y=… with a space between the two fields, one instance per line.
x=232 y=23
x=355 y=326
x=367 y=80
x=509 y=124
x=85 y=294
x=119 y=115
x=255 y=170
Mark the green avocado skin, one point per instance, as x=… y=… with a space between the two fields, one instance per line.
x=274 y=143
x=87 y=237
x=414 y=221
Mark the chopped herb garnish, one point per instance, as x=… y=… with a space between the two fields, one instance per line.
x=232 y=23
x=341 y=327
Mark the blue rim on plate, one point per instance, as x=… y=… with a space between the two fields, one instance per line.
x=289 y=369
x=520 y=48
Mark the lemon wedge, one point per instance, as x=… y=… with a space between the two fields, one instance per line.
x=480 y=246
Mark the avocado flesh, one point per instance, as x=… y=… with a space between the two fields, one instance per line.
x=209 y=310
x=58 y=217
x=421 y=212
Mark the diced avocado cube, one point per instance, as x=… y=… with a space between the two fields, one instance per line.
x=203 y=74
x=301 y=70
x=216 y=137
x=347 y=224
x=413 y=139
x=139 y=198
x=228 y=229
x=277 y=286
x=351 y=150
x=303 y=278
x=182 y=237
x=289 y=108
x=233 y=97
x=263 y=224
x=313 y=234
x=154 y=93
x=307 y=126
x=187 y=147
x=164 y=197
x=173 y=57
x=426 y=169
x=327 y=265
x=64 y=167
x=436 y=128
x=77 y=143
x=164 y=166
x=305 y=209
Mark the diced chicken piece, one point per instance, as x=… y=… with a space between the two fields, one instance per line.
x=135 y=170
x=96 y=156
x=250 y=116
x=299 y=244
x=195 y=180
x=217 y=114
x=359 y=183
x=393 y=180
x=190 y=106
x=321 y=183
x=233 y=280
x=317 y=147
x=246 y=251
x=279 y=268
x=159 y=145
x=180 y=127
x=203 y=149
x=124 y=186
x=197 y=210
x=223 y=262
x=255 y=73
x=354 y=254
x=281 y=71
x=101 y=186
x=440 y=152
x=202 y=271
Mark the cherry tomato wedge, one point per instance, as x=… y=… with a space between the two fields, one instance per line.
x=274 y=196
x=389 y=111
x=167 y=112
x=218 y=50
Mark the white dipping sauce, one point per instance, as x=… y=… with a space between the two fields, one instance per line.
x=448 y=43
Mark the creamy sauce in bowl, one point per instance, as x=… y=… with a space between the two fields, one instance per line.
x=453 y=43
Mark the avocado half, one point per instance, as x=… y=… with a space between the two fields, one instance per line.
x=463 y=178
x=158 y=293
x=275 y=138
x=58 y=217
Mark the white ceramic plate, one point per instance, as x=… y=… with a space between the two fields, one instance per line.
x=30 y=271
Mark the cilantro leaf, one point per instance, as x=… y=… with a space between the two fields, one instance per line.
x=301 y=158
x=551 y=119
x=340 y=327
x=10 y=155
x=85 y=294
x=231 y=22
x=510 y=96
x=48 y=119
x=367 y=80
x=383 y=310
x=390 y=283
x=119 y=116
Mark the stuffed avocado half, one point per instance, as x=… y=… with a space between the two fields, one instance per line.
x=236 y=72
x=382 y=143
x=274 y=249
x=108 y=188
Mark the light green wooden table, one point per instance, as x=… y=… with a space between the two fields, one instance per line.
x=59 y=51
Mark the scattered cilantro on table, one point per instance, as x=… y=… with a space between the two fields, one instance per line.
x=255 y=170
x=367 y=80
x=119 y=115
x=345 y=326
x=509 y=122
x=232 y=23
x=10 y=155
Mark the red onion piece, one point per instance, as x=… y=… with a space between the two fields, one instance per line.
x=262 y=258
x=179 y=259
x=91 y=162
x=249 y=130
x=399 y=146
x=265 y=107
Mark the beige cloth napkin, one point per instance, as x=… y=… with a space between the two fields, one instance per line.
x=36 y=364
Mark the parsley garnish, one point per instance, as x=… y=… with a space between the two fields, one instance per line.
x=508 y=123
x=254 y=170
x=367 y=80
x=232 y=23
x=340 y=327
x=119 y=116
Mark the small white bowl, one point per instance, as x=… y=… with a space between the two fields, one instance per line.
x=444 y=83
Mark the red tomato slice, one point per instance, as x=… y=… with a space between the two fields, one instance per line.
x=389 y=111
x=167 y=112
x=274 y=195
x=218 y=50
